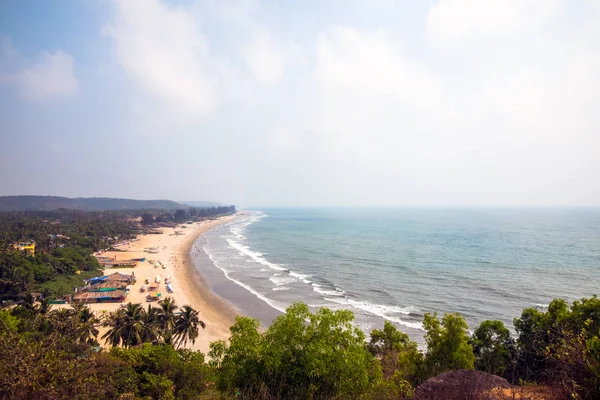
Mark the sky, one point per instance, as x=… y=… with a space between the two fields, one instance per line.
x=436 y=103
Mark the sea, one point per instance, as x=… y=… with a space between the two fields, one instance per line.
x=398 y=264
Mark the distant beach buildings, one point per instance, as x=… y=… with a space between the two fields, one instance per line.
x=26 y=247
x=105 y=289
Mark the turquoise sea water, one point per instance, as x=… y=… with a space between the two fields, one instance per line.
x=397 y=264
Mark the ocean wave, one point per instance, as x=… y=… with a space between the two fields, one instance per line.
x=380 y=310
x=279 y=288
x=280 y=280
x=335 y=292
x=302 y=277
x=256 y=256
x=380 y=291
x=238 y=227
x=542 y=305
x=249 y=288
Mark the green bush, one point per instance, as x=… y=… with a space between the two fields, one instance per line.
x=301 y=355
x=164 y=371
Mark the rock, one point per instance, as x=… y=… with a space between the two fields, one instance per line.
x=464 y=385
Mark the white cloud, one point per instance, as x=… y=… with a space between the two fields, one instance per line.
x=459 y=19
x=50 y=76
x=504 y=113
x=365 y=89
x=163 y=50
x=264 y=59
x=368 y=64
x=284 y=139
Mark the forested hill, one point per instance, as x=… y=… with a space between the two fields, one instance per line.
x=48 y=203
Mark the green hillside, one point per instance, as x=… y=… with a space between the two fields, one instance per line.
x=48 y=203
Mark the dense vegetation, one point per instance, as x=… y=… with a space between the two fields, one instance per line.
x=150 y=217
x=51 y=354
x=49 y=203
x=65 y=241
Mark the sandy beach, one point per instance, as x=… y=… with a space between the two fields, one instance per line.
x=189 y=288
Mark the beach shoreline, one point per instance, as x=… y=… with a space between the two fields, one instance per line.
x=241 y=297
x=189 y=287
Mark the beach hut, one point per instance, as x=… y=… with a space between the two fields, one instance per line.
x=106 y=286
x=114 y=296
x=116 y=277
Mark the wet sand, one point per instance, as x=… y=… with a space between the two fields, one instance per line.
x=244 y=302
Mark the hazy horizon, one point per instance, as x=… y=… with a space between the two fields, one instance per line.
x=386 y=103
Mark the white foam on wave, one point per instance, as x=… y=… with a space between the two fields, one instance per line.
x=247 y=287
x=542 y=305
x=237 y=228
x=302 y=277
x=328 y=292
x=256 y=256
x=280 y=280
x=319 y=289
x=279 y=288
x=379 y=310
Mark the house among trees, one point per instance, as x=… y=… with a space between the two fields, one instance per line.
x=26 y=247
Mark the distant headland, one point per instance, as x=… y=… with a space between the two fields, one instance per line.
x=49 y=203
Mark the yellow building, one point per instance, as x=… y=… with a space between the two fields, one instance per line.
x=27 y=248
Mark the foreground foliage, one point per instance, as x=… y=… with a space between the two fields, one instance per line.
x=301 y=355
x=48 y=353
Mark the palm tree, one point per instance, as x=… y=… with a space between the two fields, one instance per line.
x=186 y=326
x=151 y=325
x=14 y=274
x=166 y=315
x=87 y=330
x=126 y=326
x=115 y=320
x=60 y=321
x=44 y=307
x=42 y=312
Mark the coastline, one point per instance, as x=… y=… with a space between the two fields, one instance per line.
x=189 y=286
x=242 y=297
x=216 y=312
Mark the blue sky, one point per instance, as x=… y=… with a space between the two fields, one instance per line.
x=312 y=103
